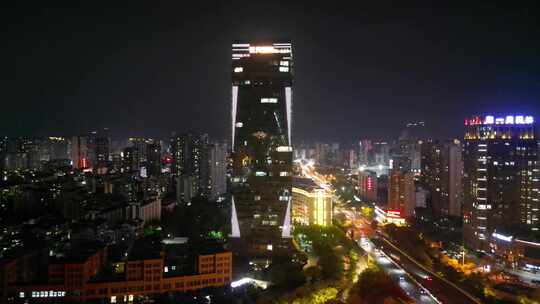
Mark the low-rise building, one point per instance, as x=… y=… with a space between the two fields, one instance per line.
x=311 y=204
x=79 y=276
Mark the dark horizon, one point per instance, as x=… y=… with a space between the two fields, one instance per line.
x=360 y=72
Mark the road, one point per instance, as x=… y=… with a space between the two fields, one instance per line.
x=442 y=290
x=407 y=282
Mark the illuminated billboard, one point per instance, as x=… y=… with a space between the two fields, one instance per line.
x=500 y=120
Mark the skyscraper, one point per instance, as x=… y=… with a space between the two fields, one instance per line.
x=262 y=76
x=190 y=163
x=501 y=178
x=218 y=169
x=442 y=171
x=80 y=152
x=401 y=192
x=102 y=151
x=153 y=160
x=131 y=159
x=367 y=185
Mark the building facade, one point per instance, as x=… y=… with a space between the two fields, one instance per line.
x=442 y=171
x=367 y=185
x=80 y=152
x=262 y=76
x=501 y=178
x=77 y=280
x=130 y=159
x=401 y=192
x=153 y=159
x=190 y=162
x=218 y=169
x=311 y=204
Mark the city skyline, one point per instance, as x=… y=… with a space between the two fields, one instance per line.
x=240 y=152
x=169 y=78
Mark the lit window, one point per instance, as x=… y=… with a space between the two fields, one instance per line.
x=283 y=69
x=21 y=294
x=238 y=69
x=284 y=63
x=269 y=100
x=260 y=173
x=113 y=299
x=239 y=124
x=283 y=173
x=166 y=269
x=257 y=198
x=247 y=82
x=269 y=247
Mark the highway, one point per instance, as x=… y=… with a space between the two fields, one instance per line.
x=408 y=283
x=441 y=289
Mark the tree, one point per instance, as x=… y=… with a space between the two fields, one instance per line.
x=375 y=286
x=287 y=274
x=330 y=263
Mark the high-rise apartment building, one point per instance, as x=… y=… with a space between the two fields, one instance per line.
x=501 y=178
x=367 y=185
x=153 y=159
x=141 y=143
x=102 y=147
x=190 y=162
x=401 y=192
x=262 y=77
x=80 y=152
x=218 y=169
x=130 y=159
x=442 y=171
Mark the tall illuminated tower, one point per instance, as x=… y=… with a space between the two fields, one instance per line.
x=501 y=178
x=262 y=76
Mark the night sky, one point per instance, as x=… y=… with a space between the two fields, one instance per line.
x=360 y=71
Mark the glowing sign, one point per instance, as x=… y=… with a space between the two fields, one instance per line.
x=284 y=149
x=393 y=213
x=502 y=237
x=267 y=50
x=269 y=100
x=505 y=120
x=369 y=183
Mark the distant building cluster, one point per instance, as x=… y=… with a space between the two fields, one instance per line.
x=72 y=207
